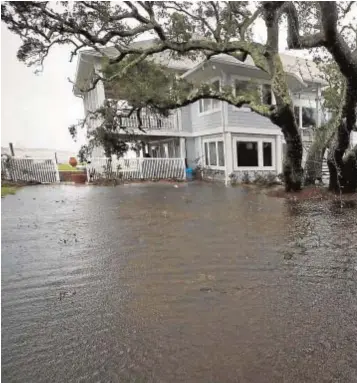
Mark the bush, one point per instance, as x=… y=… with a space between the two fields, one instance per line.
x=246 y=178
x=234 y=179
x=269 y=179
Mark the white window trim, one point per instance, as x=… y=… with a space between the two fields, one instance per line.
x=260 y=141
x=242 y=78
x=301 y=105
x=219 y=107
x=208 y=140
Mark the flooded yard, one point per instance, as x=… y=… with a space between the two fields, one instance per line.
x=198 y=283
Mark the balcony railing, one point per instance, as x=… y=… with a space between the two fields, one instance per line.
x=151 y=122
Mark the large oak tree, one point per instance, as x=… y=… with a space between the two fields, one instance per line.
x=223 y=27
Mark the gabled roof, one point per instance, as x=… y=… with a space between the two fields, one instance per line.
x=306 y=70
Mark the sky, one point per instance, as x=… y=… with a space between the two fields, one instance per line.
x=36 y=110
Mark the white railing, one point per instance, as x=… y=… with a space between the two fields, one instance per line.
x=151 y=122
x=136 y=169
x=29 y=170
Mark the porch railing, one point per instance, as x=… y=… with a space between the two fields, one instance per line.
x=136 y=169
x=151 y=122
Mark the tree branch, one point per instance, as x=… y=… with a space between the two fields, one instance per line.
x=294 y=40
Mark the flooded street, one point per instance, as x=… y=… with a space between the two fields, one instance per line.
x=200 y=283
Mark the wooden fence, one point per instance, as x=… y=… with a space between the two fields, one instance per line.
x=137 y=169
x=29 y=170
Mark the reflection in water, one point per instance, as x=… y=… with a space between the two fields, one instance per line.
x=198 y=283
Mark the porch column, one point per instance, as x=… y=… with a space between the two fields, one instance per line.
x=182 y=147
x=300 y=112
x=318 y=106
x=228 y=156
x=279 y=154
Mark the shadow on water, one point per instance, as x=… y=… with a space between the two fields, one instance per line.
x=199 y=283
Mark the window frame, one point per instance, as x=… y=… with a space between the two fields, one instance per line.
x=219 y=103
x=260 y=83
x=215 y=140
x=259 y=141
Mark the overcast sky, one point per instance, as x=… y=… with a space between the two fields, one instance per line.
x=36 y=110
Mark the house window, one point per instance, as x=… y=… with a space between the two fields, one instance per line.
x=260 y=92
x=209 y=104
x=255 y=154
x=247 y=153
x=267 y=154
x=220 y=153
x=308 y=116
x=206 y=154
x=214 y=153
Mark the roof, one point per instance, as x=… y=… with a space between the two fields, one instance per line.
x=305 y=69
x=299 y=67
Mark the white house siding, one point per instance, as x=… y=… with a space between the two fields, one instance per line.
x=186 y=119
x=191 y=152
x=204 y=121
x=247 y=119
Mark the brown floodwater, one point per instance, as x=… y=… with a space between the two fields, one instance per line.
x=195 y=283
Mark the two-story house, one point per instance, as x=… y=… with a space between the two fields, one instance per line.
x=216 y=135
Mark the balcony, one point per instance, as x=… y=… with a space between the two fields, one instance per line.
x=151 y=122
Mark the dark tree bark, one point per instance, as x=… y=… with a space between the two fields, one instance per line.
x=346 y=59
x=284 y=116
x=313 y=165
x=343 y=170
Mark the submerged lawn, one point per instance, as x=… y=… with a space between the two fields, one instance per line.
x=5 y=190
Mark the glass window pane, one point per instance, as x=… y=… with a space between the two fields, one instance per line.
x=206 y=154
x=267 y=154
x=215 y=85
x=200 y=103
x=212 y=154
x=241 y=87
x=266 y=94
x=244 y=88
x=308 y=117
x=220 y=153
x=247 y=153
x=207 y=104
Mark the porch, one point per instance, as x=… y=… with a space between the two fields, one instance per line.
x=151 y=123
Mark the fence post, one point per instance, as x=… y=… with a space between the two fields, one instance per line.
x=57 y=171
x=12 y=149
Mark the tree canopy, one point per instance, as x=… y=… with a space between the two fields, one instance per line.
x=200 y=30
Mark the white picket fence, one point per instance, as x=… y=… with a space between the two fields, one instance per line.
x=137 y=169
x=29 y=170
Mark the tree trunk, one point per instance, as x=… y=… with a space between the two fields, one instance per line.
x=313 y=165
x=292 y=170
x=343 y=175
x=342 y=167
x=350 y=171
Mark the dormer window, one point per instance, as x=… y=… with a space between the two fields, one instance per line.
x=208 y=105
x=260 y=92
